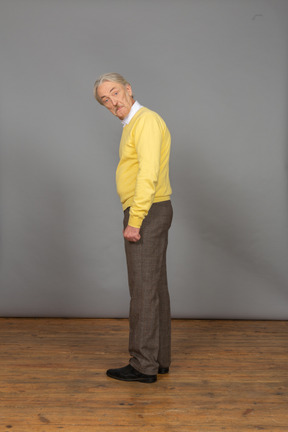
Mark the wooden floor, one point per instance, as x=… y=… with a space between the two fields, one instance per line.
x=226 y=376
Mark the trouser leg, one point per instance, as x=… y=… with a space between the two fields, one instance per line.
x=164 y=352
x=149 y=318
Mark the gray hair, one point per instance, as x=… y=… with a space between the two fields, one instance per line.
x=113 y=77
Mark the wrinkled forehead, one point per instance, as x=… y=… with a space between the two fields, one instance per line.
x=107 y=87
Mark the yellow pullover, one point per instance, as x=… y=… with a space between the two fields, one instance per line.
x=142 y=175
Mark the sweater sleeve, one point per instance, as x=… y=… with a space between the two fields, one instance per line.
x=148 y=140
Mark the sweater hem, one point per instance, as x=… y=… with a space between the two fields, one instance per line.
x=129 y=201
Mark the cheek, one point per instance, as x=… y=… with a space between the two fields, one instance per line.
x=111 y=110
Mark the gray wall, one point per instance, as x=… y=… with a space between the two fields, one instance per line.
x=216 y=70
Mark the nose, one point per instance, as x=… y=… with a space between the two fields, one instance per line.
x=113 y=100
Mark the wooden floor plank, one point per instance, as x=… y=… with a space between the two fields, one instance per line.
x=225 y=376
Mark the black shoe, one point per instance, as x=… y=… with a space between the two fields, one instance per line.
x=128 y=373
x=163 y=370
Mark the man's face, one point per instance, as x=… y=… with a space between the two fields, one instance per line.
x=116 y=98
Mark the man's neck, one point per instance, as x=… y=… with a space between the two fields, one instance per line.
x=135 y=107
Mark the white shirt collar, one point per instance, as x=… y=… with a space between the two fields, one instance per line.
x=135 y=107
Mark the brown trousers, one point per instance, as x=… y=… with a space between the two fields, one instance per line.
x=149 y=317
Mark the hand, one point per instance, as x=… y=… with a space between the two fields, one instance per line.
x=131 y=234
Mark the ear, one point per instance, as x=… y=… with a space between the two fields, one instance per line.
x=129 y=89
